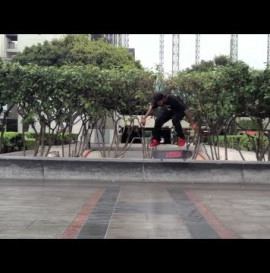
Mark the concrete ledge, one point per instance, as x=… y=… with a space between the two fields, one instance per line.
x=134 y=170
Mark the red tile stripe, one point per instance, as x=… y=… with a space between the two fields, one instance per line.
x=223 y=232
x=75 y=227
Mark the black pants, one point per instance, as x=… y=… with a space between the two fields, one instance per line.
x=162 y=117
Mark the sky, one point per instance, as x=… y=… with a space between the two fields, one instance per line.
x=252 y=49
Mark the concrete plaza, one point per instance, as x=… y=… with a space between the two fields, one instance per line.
x=84 y=210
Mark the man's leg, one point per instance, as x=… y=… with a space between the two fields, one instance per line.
x=176 y=120
x=162 y=118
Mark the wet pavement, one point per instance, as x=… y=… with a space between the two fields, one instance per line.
x=89 y=210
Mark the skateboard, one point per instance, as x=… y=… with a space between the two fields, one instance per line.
x=172 y=154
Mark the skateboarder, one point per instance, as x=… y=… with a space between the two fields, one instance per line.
x=172 y=107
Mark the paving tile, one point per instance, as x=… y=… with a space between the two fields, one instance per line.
x=140 y=207
x=127 y=234
x=180 y=233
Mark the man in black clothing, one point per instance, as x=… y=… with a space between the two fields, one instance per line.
x=173 y=108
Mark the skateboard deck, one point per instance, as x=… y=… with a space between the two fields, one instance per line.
x=172 y=154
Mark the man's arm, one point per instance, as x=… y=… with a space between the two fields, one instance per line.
x=148 y=113
x=193 y=124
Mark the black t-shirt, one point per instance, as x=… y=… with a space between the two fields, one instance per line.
x=173 y=103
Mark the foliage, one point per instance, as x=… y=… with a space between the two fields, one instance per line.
x=222 y=60
x=240 y=142
x=203 y=66
x=12 y=141
x=54 y=97
x=257 y=95
x=30 y=143
x=218 y=61
x=77 y=49
x=214 y=95
x=247 y=125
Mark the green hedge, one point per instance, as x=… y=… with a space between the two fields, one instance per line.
x=238 y=142
x=68 y=138
x=30 y=143
x=13 y=142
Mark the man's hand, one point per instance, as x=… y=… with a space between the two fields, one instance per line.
x=143 y=121
x=194 y=126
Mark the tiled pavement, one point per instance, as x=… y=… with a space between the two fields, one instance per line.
x=84 y=210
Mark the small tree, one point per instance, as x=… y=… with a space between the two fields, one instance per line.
x=77 y=49
x=257 y=101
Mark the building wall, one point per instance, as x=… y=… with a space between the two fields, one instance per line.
x=2 y=46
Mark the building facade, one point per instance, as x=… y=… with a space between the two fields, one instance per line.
x=114 y=39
